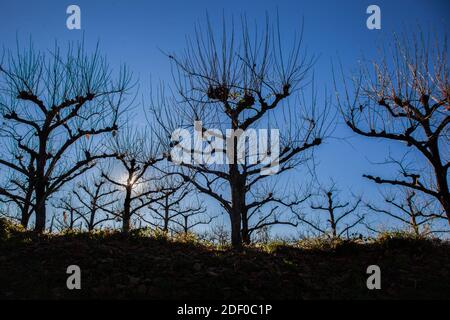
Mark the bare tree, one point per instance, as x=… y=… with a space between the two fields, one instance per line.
x=18 y=190
x=55 y=109
x=177 y=206
x=406 y=98
x=225 y=82
x=137 y=153
x=165 y=210
x=262 y=235
x=192 y=217
x=417 y=213
x=337 y=212
x=95 y=198
x=219 y=234
x=70 y=215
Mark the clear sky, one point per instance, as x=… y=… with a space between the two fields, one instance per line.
x=135 y=32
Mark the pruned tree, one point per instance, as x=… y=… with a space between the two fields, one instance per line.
x=96 y=197
x=18 y=190
x=416 y=213
x=241 y=84
x=405 y=98
x=193 y=216
x=177 y=201
x=71 y=214
x=262 y=235
x=219 y=234
x=170 y=205
x=137 y=154
x=336 y=211
x=94 y=200
x=55 y=109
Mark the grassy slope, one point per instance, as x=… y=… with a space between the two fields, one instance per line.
x=140 y=267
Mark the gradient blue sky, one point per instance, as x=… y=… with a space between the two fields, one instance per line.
x=133 y=32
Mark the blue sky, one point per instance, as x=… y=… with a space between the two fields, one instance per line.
x=135 y=32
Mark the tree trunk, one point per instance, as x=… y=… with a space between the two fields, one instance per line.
x=236 y=239
x=126 y=224
x=126 y=212
x=26 y=213
x=441 y=179
x=444 y=197
x=245 y=231
x=166 y=215
x=92 y=218
x=25 y=218
x=237 y=187
x=415 y=226
x=41 y=214
x=186 y=226
x=72 y=220
x=331 y=211
x=333 y=229
x=41 y=184
x=237 y=210
x=445 y=202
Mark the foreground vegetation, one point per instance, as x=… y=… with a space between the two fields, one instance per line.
x=153 y=266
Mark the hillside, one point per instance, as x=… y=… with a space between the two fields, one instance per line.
x=152 y=267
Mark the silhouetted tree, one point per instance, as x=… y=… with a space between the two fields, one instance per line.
x=171 y=205
x=262 y=235
x=55 y=108
x=192 y=217
x=337 y=213
x=137 y=153
x=225 y=82
x=406 y=98
x=176 y=207
x=95 y=199
x=18 y=190
x=70 y=215
x=219 y=234
x=415 y=213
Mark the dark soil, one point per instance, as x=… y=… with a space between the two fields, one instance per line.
x=119 y=267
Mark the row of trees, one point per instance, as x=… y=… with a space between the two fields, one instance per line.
x=63 y=118
x=95 y=202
